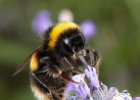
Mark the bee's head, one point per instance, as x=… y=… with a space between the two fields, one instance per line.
x=66 y=38
x=74 y=43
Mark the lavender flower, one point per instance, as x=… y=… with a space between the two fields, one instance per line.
x=90 y=73
x=81 y=89
x=89 y=29
x=136 y=98
x=41 y=22
x=77 y=78
x=95 y=90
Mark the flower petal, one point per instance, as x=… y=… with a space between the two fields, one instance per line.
x=90 y=73
x=72 y=86
x=81 y=89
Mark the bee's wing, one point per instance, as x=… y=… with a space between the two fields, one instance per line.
x=22 y=65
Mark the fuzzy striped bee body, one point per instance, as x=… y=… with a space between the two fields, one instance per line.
x=56 y=60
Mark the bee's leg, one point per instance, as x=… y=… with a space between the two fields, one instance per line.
x=70 y=69
x=68 y=63
x=66 y=77
x=94 y=59
x=91 y=56
x=49 y=67
x=39 y=82
x=72 y=66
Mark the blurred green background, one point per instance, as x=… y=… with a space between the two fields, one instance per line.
x=117 y=40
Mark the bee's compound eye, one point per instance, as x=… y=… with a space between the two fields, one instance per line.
x=74 y=43
x=78 y=42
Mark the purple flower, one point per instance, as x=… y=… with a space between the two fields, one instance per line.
x=90 y=73
x=136 y=98
x=41 y=22
x=83 y=90
x=80 y=89
x=71 y=86
x=94 y=90
x=126 y=95
x=89 y=29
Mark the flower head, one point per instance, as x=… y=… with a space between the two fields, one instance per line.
x=89 y=29
x=136 y=98
x=81 y=88
x=94 y=90
x=72 y=86
x=41 y=22
x=90 y=73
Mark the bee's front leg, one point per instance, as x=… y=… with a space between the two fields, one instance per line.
x=94 y=59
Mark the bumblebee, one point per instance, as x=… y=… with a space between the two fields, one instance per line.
x=57 y=59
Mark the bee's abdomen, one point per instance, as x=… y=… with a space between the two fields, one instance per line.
x=34 y=63
x=53 y=89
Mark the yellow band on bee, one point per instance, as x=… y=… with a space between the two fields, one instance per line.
x=34 y=62
x=58 y=30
